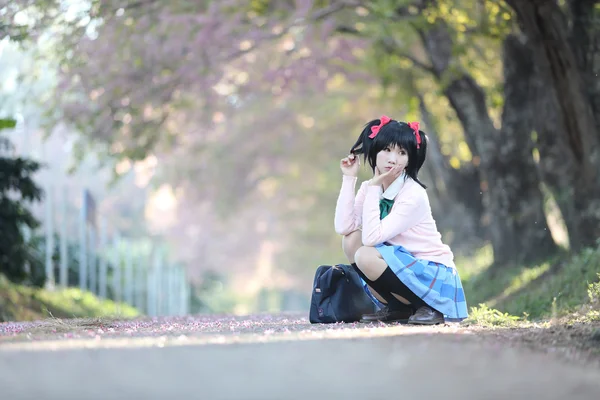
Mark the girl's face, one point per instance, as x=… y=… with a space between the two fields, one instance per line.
x=390 y=157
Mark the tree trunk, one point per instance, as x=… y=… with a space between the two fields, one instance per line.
x=585 y=41
x=546 y=27
x=509 y=180
x=461 y=185
x=437 y=162
x=513 y=169
x=568 y=140
x=578 y=198
x=438 y=45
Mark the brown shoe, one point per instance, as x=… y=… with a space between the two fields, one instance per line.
x=387 y=315
x=426 y=316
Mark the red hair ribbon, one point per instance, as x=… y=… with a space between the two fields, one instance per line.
x=415 y=127
x=375 y=129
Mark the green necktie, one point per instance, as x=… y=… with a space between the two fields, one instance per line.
x=385 y=205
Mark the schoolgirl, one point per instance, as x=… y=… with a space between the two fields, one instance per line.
x=389 y=234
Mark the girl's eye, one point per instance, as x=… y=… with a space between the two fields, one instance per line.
x=388 y=149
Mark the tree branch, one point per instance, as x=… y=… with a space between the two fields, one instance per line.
x=418 y=63
x=389 y=44
x=348 y=29
x=317 y=16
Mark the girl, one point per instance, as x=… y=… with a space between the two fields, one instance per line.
x=390 y=236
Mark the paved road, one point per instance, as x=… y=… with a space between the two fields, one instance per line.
x=378 y=363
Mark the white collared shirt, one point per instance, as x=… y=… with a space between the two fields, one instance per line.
x=392 y=191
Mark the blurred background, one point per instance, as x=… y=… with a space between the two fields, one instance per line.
x=189 y=151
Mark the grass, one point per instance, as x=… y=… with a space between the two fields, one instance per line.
x=22 y=303
x=564 y=285
x=489 y=317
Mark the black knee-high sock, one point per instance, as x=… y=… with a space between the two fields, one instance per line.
x=393 y=284
x=379 y=285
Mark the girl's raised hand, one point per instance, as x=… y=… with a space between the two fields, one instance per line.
x=388 y=176
x=349 y=165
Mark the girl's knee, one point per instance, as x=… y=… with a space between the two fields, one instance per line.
x=364 y=255
x=370 y=262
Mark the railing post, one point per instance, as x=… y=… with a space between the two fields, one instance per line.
x=92 y=266
x=185 y=295
x=83 y=242
x=128 y=272
x=151 y=286
x=63 y=276
x=49 y=228
x=159 y=281
x=117 y=286
x=103 y=272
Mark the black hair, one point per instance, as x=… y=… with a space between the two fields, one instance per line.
x=394 y=133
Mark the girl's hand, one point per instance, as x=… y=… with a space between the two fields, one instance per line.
x=387 y=177
x=349 y=165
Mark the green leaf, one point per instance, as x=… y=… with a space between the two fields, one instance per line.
x=7 y=123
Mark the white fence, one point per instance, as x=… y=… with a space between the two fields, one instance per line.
x=102 y=261
x=79 y=246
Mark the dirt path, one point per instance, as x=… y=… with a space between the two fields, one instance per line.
x=285 y=357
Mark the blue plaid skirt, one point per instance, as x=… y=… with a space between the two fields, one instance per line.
x=438 y=285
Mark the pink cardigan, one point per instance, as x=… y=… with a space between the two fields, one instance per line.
x=409 y=223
